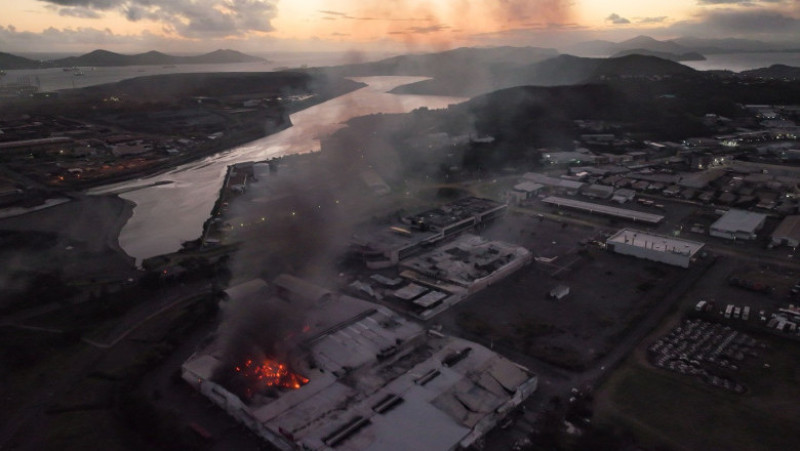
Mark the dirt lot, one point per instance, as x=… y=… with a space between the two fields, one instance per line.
x=608 y=292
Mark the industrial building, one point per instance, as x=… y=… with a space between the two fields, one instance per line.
x=383 y=247
x=555 y=184
x=598 y=191
x=470 y=262
x=788 y=232
x=738 y=224
x=359 y=377
x=459 y=269
x=523 y=191
x=653 y=247
x=614 y=212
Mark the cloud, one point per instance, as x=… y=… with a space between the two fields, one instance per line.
x=429 y=29
x=616 y=19
x=80 y=12
x=651 y=20
x=724 y=2
x=333 y=13
x=93 y=4
x=756 y=23
x=520 y=11
x=737 y=2
x=187 y=18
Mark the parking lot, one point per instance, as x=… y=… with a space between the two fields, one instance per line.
x=711 y=352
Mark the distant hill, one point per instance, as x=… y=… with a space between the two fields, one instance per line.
x=452 y=61
x=592 y=48
x=462 y=70
x=559 y=71
x=776 y=71
x=729 y=45
x=568 y=70
x=107 y=58
x=12 y=62
x=651 y=44
x=678 y=46
x=639 y=43
x=690 y=56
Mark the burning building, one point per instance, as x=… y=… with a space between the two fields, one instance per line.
x=356 y=376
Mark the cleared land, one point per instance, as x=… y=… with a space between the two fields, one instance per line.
x=665 y=408
x=608 y=293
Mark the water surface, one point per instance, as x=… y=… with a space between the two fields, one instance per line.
x=172 y=206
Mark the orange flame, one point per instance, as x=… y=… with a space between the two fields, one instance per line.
x=271 y=373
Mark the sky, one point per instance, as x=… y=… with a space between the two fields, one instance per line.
x=261 y=26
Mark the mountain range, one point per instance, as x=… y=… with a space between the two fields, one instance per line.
x=101 y=58
x=557 y=71
x=678 y=46
x=689 y=56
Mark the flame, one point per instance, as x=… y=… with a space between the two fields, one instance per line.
x=271 y=373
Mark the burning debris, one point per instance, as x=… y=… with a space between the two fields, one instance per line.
x=259 y=342
x=271 y=373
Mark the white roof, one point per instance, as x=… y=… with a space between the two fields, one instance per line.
x=253 y=287
x=739 y=221
x=410 y=291
x=429 y=299
x=655 y=242
x=528 y=187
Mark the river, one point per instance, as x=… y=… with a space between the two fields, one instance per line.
x=172 y=206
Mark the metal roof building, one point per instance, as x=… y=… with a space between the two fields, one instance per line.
x=654 y=247
x=738 y=224
x=369 y=380
x=788 y=232
x=386 y=246
x=606 y=210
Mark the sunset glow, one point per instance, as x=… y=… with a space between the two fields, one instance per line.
x=339 y=24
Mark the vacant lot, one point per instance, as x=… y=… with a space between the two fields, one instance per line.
x=666 y=408
x=608 y=293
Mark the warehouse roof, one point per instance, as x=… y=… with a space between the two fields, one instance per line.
x=528 y=187
x=375 y=382
x=604 y=210
x=788 y=228
x=655 y=242
x=739 y=221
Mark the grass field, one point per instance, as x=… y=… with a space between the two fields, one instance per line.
x=675 y=411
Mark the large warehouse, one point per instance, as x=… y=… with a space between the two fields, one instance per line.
x=738 y=224
x=658 y=248
x=353 y=376
x=788 y=232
